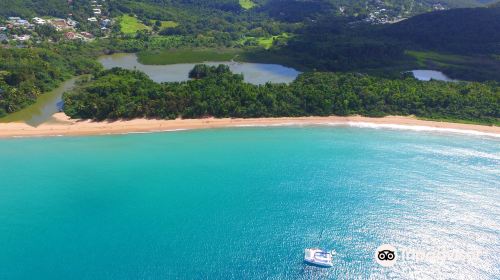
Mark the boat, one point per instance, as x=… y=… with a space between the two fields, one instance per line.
x=318 y=257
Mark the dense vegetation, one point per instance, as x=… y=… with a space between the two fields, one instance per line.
x=26 y=73
x=335 y=44
x=119 y=93
x=322 y=35
x=463 y=31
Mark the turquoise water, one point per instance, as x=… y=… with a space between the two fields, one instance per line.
x=243 y=203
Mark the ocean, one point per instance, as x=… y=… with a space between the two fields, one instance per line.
x=244 y=203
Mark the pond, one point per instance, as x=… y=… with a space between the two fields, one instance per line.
x=254 y=73
x=427 y=75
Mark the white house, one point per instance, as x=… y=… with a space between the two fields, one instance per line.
x=71 y=22
x=37 y=20
x=22 y=38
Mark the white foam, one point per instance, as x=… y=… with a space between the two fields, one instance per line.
x=150 y=131
x=37 y=136
x=271 y=125
x=460 y=152
x=419 y=128
x=370 y=125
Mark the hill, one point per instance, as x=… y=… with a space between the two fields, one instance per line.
x=31 y=8
x=469 y=31
x=462 y=42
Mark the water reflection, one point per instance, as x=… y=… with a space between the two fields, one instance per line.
x=255 y=73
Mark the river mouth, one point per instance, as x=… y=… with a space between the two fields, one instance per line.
x=45 y=106
x=254 y=73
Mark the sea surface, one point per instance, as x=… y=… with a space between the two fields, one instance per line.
x=254 y=73
x=244 y=203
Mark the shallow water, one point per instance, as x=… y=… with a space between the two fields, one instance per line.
x=243 y=203
x=427 y=75
x=255 y=73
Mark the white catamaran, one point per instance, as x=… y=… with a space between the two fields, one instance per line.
x=318 y=257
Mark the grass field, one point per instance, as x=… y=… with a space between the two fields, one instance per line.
x=166 y=23
x=424 y=58
x=265 y=42
x=130 y=25
x=247 y=4
x=176 y=56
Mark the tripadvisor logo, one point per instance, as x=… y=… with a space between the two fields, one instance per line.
x=386 y=255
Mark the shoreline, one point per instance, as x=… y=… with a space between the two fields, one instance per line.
x=62 y=125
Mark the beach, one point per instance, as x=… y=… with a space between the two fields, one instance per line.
x=62 y=125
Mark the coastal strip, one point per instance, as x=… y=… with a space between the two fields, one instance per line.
x=62 y=125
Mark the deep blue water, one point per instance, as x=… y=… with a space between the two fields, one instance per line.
x=243 y=203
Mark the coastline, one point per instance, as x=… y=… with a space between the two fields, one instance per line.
x=62 y=125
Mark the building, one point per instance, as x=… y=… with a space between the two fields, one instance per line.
x=105 y=22
x=3 y=38
x=70 y=35
x=60 y=24
x=39 y=21
x=87 y=35
x=22 y=38
x=92 y=19
x=71 y=22
x=18 y=22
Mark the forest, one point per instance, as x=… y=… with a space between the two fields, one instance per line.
x=333 y=44
x=27 y=73
x=308 y=35
x=216 y=92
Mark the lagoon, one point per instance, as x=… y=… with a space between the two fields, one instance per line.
x=243 y=203
x=255 y=73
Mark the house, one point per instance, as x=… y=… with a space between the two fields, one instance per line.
x=71 y=22
x=22 y=38
x=92 y=19
x=74 y=36
x=87 y=35
x=70 y=35
x=39 y=21
x=3 y=28
x=60 y=24
x=18 y=22
x=3 y=38
x=96 y=11
x=22 y=22
x=105 y=22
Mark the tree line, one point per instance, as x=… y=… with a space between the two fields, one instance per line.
x=126 y=94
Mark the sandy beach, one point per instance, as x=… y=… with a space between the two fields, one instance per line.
x=62 y=125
